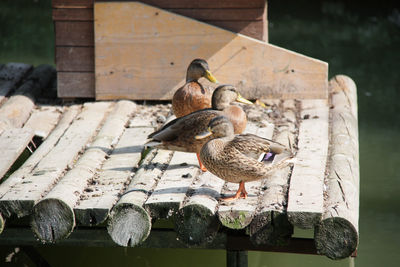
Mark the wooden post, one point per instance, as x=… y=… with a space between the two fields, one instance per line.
x=336 y=236
x=236 y=258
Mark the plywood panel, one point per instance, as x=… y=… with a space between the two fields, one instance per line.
x=142 y=52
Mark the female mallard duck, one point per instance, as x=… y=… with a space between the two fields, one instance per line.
x=193 y=96
x=179 y=134
x=236 y=158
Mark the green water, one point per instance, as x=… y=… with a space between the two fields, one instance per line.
x=359 y=40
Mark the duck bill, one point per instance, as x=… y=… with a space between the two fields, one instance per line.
x=203 y=135
x=243 y=100
x=210 y=77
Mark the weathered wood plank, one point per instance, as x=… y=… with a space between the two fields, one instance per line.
x=251 y=28
x=124 y=56
x=43 y=120
x=76 y=59
x=105 y=188
x=130 y=223
x=17 y=109
x=305 y=204
x=270 y=224
x=68 y=14
x=21 y=198
x=221 y=14
x=337 y=234
x=171 y=190
x=53 y=216
x=74 y=33
x=41 y=151
x=75 y=84
x=10 y=75
x=12 y=143
x=72 y=3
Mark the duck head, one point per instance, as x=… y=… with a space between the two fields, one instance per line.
x=199 y=68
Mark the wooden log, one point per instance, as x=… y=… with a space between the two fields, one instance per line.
x=105 y=188
x=75 y=59
x=336 y=236
x=124 y=55
x=41 y=151
x=130 y=223
x=305 y=205
x=270 y=224
x=17 y=109
x=171 y=190
x=43 y=120
x=21 y=198
x=74 y=33
x=53 y=217
x=75 y=84
x=12 y=143
x=2 y=223
x=10 y=75
x=239 y=213
x=197 y=222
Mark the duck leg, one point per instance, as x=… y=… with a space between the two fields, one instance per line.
x=202 y=167
x=241 y=193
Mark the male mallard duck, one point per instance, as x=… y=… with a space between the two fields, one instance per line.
x=193 y=96
x=179 y=134
x=236 y=158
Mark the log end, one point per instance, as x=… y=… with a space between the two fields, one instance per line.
x=235 y=219
x=52 y=220
x=19 y=208
x=336 y=238
x=129 y=225
x=270 y=228
x=91 y=216
x=196 y=225
x=2 y=223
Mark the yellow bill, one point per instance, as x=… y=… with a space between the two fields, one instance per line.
x=210 y=77
x=243 y=100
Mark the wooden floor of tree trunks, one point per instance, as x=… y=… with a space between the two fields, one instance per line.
x=91 y=169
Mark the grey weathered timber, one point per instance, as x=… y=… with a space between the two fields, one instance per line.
x=197 y=222
x=270 y=224
x=48 y=144
x=305 y=204
x=53 y=217
x=171 y=190
x=130 y=223
x=43 y=119
x=12 y=143
x=10 y=75
x=336 y=236
x=105 y=188
x=239 y=213
x=20 y=199
x=18 y=107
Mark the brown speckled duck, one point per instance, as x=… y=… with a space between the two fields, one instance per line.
x=179 y=134
x=239 y=158
x=193 y=96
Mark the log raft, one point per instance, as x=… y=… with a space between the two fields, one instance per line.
x=92 y=169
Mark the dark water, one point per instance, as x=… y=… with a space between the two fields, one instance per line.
x=361 y=40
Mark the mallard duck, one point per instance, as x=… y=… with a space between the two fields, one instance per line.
x=193 y=96
x=179 y=133
x=239 y=158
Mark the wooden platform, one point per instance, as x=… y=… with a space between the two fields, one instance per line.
x=90 y=172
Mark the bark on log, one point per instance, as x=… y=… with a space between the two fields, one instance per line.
x=130 y=223
x=337 y=234
x=270 y=225
x=53 y=217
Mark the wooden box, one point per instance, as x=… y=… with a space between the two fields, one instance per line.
x=74 y=33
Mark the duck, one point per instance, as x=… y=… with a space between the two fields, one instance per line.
x=239 y=158
x=193 y=96
x=179 y=134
